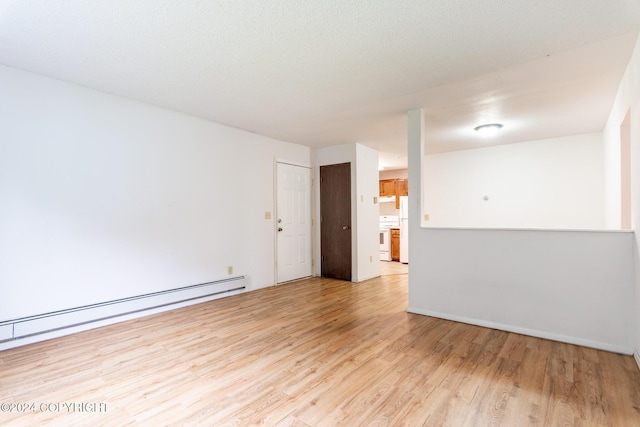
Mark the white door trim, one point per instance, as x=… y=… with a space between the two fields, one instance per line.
x=309 y=219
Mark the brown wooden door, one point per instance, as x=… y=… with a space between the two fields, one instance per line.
x=335 y=221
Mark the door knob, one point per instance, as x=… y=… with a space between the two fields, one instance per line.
x=345 y=227
x=279 y=228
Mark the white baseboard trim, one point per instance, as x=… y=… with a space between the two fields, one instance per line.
x=526 y=331
x=636 y=355
x=23 y=331
x=368 y=277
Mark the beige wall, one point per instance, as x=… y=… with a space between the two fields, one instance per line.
x=392 y=174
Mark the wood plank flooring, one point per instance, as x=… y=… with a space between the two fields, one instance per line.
x=317 y=352
x=388 y=268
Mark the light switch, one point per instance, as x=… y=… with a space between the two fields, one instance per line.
x=426 y=217
x=267 y=215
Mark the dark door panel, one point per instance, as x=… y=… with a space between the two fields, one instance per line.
x=335 y=220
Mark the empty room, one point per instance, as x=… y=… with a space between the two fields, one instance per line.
x=320 y=213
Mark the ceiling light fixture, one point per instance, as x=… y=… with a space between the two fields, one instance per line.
x=488 y=130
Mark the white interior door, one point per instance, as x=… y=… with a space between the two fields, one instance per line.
x=293 y=222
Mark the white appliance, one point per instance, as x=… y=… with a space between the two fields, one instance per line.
x=385 y=244
x=386 y=223
x=404 y=229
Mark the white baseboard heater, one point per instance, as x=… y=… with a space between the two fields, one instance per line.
x=39 y=327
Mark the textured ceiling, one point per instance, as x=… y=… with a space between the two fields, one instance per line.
x=328 y=72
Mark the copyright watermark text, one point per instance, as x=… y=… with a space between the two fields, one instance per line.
x=55 y=407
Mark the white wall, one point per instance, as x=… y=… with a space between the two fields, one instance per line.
x=365 y=247
x=612 y=171
x=628 y=98
x=555 y=183
x=368 y=225
x=103 y=198
x=570 y=286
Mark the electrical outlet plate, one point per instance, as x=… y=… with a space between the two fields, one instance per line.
x=230 y=269
x=267 y=215
x=426 y=217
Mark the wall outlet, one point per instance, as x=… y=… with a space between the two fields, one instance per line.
x=426 y=217
x=370 y=258
x=267 y=215
x=230 y=269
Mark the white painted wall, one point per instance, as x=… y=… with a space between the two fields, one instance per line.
x=103 y=198
x=365 y=247
x=572 y=286
x=554 y=183
x=368 y=225
x=612 y=171
x=628 y=98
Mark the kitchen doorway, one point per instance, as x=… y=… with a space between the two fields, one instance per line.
x=293 y=226
x=335 y=221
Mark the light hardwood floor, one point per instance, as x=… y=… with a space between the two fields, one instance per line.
x=388 y=268
x=317 y=352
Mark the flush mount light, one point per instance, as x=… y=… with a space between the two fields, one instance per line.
x=488 y=130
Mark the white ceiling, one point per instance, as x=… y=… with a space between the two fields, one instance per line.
x=328 y=72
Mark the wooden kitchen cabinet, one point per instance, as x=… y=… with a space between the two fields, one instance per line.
x=395 y=244
x=387 y=187
x=401 y=187
x=394 y=187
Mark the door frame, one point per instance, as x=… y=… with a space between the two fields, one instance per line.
x=274 y=216
x=352 y=219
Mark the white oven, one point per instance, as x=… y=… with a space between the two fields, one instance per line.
x=386 y=223
x=385 y=244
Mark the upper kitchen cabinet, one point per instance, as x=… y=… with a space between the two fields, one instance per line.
x=387 y=187
x=401 y=187
x=394 y=187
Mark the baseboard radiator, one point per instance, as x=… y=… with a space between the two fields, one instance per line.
x=62 y=322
